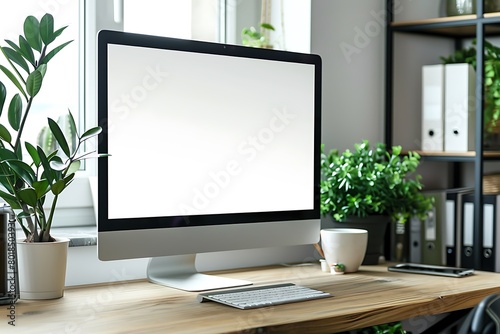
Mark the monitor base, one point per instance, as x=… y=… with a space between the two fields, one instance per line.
x=179 y=272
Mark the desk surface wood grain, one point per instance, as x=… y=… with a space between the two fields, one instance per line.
x=371 y=296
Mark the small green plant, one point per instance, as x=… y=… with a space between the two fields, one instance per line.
x=339 y=267
x=389 y=328
x=28 y=173
x=491 y=79
x=370 y=181
x=257 y=39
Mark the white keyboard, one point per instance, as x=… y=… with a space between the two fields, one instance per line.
x=261 y=296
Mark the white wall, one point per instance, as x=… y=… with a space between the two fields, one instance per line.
x=350 y=38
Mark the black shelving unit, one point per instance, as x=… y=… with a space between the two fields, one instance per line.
x=457 y=28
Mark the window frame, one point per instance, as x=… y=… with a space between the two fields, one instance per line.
x=77 y=206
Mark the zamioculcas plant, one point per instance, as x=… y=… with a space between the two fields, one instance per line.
x=27 y=172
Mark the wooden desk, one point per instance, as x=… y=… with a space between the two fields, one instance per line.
x=371 y=296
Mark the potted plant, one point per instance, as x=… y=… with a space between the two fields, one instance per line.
x=491 y=107
x=257 y=39
x=28 y=174
x=369 y=185
x=338 y=269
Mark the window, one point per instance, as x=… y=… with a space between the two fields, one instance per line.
x=195 y=19
x=63 y=68
x=70 y=80
x=61 y=87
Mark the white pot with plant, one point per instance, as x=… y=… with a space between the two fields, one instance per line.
x=28 y=173
x=368 y=187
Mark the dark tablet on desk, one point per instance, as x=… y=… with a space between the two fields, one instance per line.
x=428 y=269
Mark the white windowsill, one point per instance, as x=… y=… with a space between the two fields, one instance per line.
x=79 y=236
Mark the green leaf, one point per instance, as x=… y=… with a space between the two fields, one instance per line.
x=10 y=199
x=25 y=215
x=33 y=153
x=46 y=165
x=5 y=134
x=267 y=26
x=59 y=31
x=58 y=187
x=13 y=79
x=91 y=133
x=29 y=196
x=52 y=53
x=68 y=179
x=91 y=155
x=19 y=152
x=3 y=96
x=32 y=33
x=52 y=155
x=26 y=50
x=396 y=150
x=74 y=167
x=47 y=29
x=41 y=187
x=43 y=69
x=6 y=181
x=16 y=58
x=34 y=83
x=6 y=154
x=55 y=160
x=72 y=123
x=15 y=112
x=14 y=46
x=23 y=170
x=58 y=165
x=58 y=134
x=73 y=133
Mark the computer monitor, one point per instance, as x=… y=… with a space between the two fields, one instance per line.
x=213 y=147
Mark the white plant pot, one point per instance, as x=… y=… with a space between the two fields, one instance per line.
x=42 y=268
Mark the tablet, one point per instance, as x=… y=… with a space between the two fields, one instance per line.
x=428 y=269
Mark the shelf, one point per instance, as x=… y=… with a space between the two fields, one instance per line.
x=457 y=156
x=455 y=28
x=452 y=26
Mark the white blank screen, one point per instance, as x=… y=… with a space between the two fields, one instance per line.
x=192 y=133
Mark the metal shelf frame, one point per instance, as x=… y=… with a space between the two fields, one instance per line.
x=471 y=26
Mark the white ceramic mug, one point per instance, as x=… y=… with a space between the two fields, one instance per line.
x=344 y=245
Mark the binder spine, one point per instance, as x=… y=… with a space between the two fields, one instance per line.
x=487 y=249
x=433 y=80
x=459 y=120
x=415 y=240
x=467 y=226
x=496 y=240
x=450 y=240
